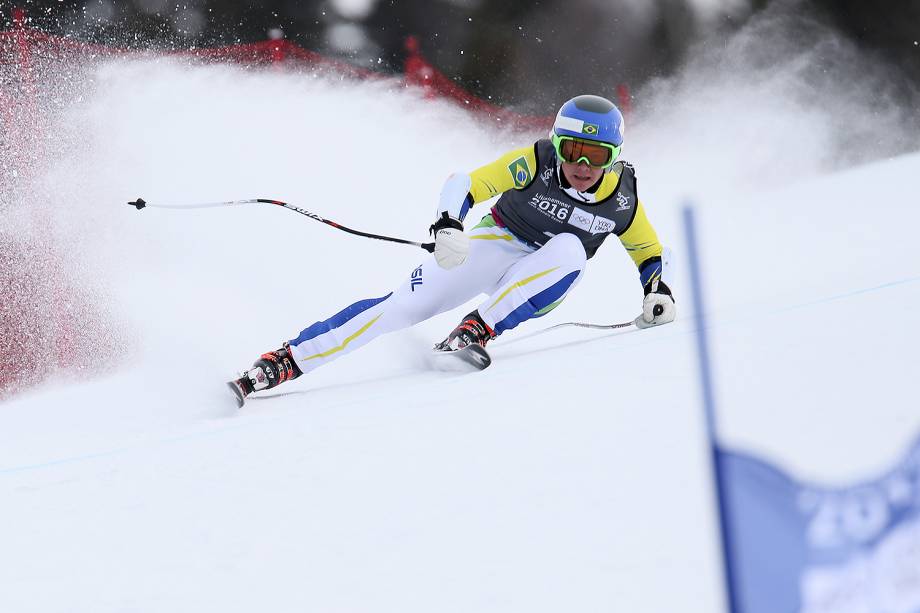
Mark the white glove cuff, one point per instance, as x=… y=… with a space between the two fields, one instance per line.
x=451 y=246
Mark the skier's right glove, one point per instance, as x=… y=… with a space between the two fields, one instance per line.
x=657 y=307
x=451 y=245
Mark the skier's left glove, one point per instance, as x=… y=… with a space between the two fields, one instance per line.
x=657 y=307
x=451 y=244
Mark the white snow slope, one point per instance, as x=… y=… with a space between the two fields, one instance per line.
x=570 y=476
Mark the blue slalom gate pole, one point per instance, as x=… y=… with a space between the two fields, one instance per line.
x=709 y=403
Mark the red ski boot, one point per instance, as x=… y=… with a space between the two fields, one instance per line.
x=472 y=330
x=468 y=341
x=273 y=368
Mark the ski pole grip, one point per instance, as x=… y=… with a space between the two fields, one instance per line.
x=429 y=247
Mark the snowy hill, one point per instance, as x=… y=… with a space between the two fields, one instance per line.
x=572 y=475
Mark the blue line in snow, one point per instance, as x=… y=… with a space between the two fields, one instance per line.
x=849 y=294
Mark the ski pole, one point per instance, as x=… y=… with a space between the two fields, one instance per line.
x=578 y=324
x=140 y=204
x=658 y=310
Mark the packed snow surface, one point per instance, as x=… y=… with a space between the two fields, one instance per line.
x=572 y=475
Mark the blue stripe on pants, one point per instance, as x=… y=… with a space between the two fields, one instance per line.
x=337 y=320
x=539 y=301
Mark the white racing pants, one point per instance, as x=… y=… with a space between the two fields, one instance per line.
x=520 y=283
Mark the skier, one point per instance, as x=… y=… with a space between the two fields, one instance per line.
x=559 y=200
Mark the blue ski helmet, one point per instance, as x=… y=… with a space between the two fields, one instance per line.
x=590 y=118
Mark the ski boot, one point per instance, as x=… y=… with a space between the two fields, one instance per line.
x=468 y=341
x=472 y=330
x=273 y=368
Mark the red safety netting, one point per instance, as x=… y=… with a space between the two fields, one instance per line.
x=419 y=72
x=22 y=46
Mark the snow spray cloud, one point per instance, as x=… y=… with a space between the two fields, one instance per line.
x=372 y=154
x=50 y=316
x=784 y=98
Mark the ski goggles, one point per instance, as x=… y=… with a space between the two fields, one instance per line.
x=575 y=150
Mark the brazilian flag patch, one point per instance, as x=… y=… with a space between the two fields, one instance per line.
x=521 y=173
x=590 y=128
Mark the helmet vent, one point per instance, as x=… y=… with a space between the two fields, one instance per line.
x=593 y=104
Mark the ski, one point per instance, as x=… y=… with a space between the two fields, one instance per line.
x=238 y=392
x=474 y=355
